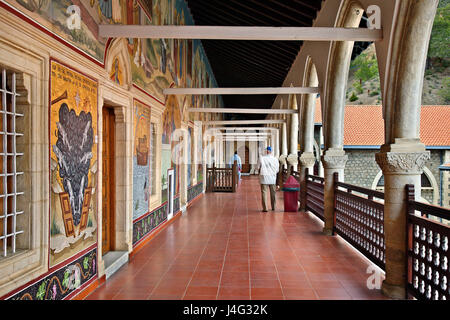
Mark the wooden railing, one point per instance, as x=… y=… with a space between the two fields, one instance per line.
x=222 y=179
x=315 y=194
x=359 y=219
x=428 y=251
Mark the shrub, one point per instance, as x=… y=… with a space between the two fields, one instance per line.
x=358 y=87
x=354 y=97
x=445 y=91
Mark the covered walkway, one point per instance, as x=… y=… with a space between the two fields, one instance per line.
x=224 y=247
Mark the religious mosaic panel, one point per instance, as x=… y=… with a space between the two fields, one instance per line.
x=141 y=160
x=73 y=162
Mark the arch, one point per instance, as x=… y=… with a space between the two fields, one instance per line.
x=434 y=184
x=376 y=180
x=349 y=16
x=401 y=58
x=117 y=55
x=427 y=172
x=307 y=107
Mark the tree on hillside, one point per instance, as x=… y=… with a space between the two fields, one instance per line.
x=440 y=34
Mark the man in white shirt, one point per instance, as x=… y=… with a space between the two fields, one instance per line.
x=239 y=163
x=268 y=167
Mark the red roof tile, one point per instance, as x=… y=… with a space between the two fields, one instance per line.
x=364 y=125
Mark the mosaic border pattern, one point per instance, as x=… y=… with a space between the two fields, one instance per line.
x=147 y=224
x=176 y=205
x=194 y=191
x=62 y=282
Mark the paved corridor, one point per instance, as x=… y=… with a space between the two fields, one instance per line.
x=224 y=247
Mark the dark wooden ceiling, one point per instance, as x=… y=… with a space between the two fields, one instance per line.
x=252 y=63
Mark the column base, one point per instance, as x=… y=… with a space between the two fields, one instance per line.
x=393 y=291
x=327 y=231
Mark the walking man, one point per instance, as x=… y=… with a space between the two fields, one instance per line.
x=268 y=167
x=239 y=163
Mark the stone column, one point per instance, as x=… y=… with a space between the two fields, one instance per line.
x=319 y=148
x=307 y=161
x=284 y=150
x=273 y=142
x=277 y=142
x=400 y=167
x=333 y=160
x=292 y=159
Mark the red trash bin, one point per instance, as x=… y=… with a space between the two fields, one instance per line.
x=290 y=189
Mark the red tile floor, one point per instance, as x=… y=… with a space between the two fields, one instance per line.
x=223 y=247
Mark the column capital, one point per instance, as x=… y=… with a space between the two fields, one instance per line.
x=307 y=159
x=334 y=159
x=402 y=162
x=292 y=159
x=282 y=159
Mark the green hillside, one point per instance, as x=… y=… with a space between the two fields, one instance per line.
x=364 y=84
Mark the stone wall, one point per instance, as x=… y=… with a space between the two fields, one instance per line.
x=361 y=168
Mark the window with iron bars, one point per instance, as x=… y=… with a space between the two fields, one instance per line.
x=9 y=171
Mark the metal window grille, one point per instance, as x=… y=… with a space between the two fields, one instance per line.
x=8 y=167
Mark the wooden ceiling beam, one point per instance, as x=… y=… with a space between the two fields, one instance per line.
x=240 y=33
x=241 y=91
x=244 y=128
x=241 y=110
x=234 y=122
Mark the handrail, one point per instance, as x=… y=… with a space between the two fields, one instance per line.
x=369 y=192
x=360 y=220
x=427 y=250
x=316 y=178
x=222 y=179
x=315 y=195
x=430 y=209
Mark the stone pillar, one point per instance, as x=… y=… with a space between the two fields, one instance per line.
x=292 y=159
x=284 y=151
x=307 y=161
x=277 y=142
x=273 y=142
x=402 y=164
x=319 y=148
x=333 y=160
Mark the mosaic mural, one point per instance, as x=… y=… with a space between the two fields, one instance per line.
x=75 y=20
x=194 y=191
x=155 y=64
x=73 y=162
x=141 y=160
x=147 y=224
x=190 y=149
x=61 y=283
x=171 y=122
